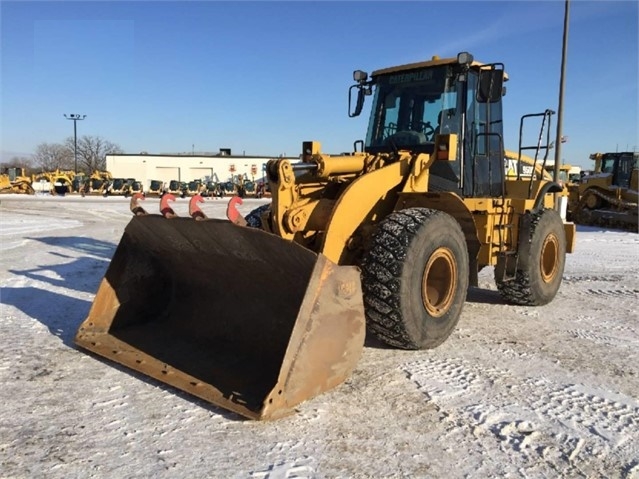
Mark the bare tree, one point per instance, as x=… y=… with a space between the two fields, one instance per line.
x=17 y=162
x=53 y=156
x=92 y=151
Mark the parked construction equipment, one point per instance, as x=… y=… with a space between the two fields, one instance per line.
x=122 y=187
x=62 y=182
x=16 y=180
x=609 y=196
x=522 y=166
x=97 y=183
x=389 y=238
x=156 y=188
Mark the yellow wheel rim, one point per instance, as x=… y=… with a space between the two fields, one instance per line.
x=439 y=282
x=549 y=261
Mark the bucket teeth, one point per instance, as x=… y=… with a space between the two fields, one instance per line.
x=233 y=214
x=165 y=209
x=136 y=209
x=194 y=210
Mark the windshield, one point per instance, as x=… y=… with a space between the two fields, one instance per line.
x=410 y=108
x=620 y=166
x=608 y=164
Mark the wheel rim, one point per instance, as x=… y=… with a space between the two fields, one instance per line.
x=439 y=282
x=549 y=258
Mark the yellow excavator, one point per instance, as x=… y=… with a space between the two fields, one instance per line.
x=257 y=314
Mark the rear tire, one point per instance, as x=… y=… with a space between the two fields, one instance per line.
x=537 y=282
x=415 y=278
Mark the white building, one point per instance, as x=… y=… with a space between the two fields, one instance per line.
x=206 y=167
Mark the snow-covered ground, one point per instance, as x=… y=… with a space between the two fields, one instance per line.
x=516 y=391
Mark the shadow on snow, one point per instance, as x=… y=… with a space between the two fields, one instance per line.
x=80 y=244
x=60 y=313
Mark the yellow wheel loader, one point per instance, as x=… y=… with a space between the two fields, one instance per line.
x=522 y=166
x=262 y=312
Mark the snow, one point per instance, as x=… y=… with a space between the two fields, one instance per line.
x=514 y=392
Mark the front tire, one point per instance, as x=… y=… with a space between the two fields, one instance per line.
x=536 y=283
x=254 y=218
x=415 y=278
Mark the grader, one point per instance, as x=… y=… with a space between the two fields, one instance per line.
x=388 y=238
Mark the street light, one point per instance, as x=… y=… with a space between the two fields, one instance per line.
x=75 y=117
x=560 y=107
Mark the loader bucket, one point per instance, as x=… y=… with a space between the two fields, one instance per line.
x=236 y=316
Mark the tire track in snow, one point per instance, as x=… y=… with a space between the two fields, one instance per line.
x=603 y=339
x=294 y=469
x=591 y=278
x=609 y=294
x=566 y=425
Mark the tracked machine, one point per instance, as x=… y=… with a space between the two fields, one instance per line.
x=609 y=196
x=389 y=238
x=16 y=180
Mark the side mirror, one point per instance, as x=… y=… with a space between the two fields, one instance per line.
x=362 y=91
x=491 y=84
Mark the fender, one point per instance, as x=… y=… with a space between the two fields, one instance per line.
x=368 y=198
x=550 y=187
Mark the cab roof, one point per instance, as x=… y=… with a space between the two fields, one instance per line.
x=433 y=62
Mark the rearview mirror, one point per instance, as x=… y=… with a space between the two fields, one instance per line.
x=362 y=91
x=491 y=82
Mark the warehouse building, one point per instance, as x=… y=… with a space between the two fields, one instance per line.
x=220 y=167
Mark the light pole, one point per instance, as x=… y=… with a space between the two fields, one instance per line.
x=560 y=202
x=560 y=106
x=75 y=117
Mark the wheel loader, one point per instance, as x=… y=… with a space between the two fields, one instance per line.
x=608 y=197
x=260 y=313
x=517 y=165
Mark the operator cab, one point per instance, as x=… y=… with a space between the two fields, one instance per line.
x=414 y=103
x=620 y=165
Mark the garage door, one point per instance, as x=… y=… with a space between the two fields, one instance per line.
x=166 y=174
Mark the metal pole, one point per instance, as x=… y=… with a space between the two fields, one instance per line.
x=560 y=106
x=75 y=117
x=75 y=144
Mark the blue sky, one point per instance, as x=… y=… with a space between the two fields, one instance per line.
x=261 y=77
